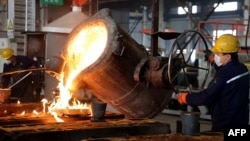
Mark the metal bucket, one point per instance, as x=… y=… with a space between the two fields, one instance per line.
x=4 y=95
x=98 y=110
x=190 y=123
x=110 y=76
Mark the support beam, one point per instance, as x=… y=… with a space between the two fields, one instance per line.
x=155 y=27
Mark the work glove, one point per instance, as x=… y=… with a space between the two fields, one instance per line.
x=181 y=97
x=209 y=56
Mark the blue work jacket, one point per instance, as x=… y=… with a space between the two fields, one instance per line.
x=24 y=89
x=227 y=96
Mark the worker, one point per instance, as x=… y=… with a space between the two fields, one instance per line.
x=22 y=90
x=227 y=95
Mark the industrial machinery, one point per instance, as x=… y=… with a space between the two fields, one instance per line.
x=101 y=57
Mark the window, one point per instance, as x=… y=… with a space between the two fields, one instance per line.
x=181 y=11
x=221 y=32
x=226 y=6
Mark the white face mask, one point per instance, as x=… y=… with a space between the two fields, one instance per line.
x=217 y=60
x=7 y=62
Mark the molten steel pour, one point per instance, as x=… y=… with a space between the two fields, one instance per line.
x=84 y=50
x=108 y=57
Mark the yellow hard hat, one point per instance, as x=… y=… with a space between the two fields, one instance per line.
x=6 y=53
x=226 y=43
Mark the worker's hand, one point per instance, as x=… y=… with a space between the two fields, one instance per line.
x=181 y=97
x=209 y=56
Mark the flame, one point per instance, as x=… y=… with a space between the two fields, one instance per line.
x=83 y=50
x=44 y=101
x=23 y=113
x=35 y=112
x=56 y=117
x=86 y=47
x=85 y=106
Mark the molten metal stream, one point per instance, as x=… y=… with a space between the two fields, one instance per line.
x=85 y=49
x=101 y=57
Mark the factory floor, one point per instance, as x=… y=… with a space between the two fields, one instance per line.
x=205 y=124
x=175 y=134
x=171 y=117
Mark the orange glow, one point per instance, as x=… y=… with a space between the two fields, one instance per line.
x=83 y=50
x=23 y=113
x=35 y=112
x=44 y=101
x=86 y=47
x=56 y=117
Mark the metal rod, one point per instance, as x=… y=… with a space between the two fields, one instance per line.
x=20 y=80
x=19 y=71
x=155 y=28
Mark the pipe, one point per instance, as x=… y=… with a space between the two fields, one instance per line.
x=20 y=71
x=20 y=80
x=54 y=65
